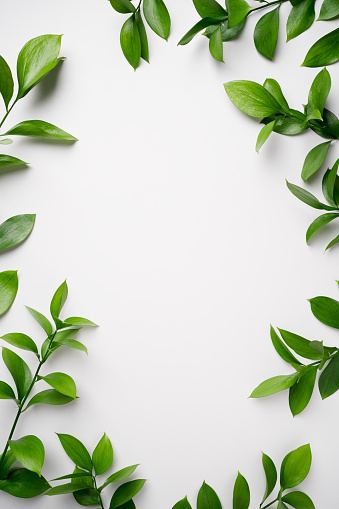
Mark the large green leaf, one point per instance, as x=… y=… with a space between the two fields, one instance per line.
x=19 y=371
x=8 y=289
x=40 y=129
x=266 y=33
x=30 y=452
x=103 y=455
x=237 y=11
x=130 y=42
x=23 y=483
x=300 y=345
x=300 y=19
x=252 y=98
x=324 y=52
x=295 y=467
x=76 y=451
x=6 y=391
x=298 y=500
x=241 y=493
x=326 y=310
x=306 y=197
x=314 y=160
x=329 y=10
x=62 y=383
x=7 y=161
x=157 y=16
x=281 y=349
x=21 y=341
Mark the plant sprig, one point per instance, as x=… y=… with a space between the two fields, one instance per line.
x=300 y=384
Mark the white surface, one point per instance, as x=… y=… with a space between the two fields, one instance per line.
x=180 y=241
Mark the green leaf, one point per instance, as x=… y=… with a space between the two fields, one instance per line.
x=300 y=345
x=331 y=122
x=207 y=497
x=305 y=196
x=122 y=6
x=300 y=394
x=6 y=391
x=23 y=483
x=252 y=98
x=264 y=134
x=36 y=59
x=73 y=476
x=8 y=289
x=270 y=474
x=64 y=489
x=30 y=452
x=130 y=42
x=19 y=371
x=40 y=129
x=329 y=10
x=76 y=451
x=49 y=397
x=319 y=223
x=143 y=37
x=81 y=322
x=330 y=184
x=241 y=493
x=237 y=11
x=300 y=18
x=71 y=343
x=42 y=320
x=129 y=505
x=89 y=495
x=182 y=504
x=314 y=160
x=266 y=33
x=324 y=52
x=21 y=341
x=333 y=243
x=15 y=230
x=62 y=383
x=58 y=300
x=6 y=82
x=121 y=475
x=299 y=500
x=326 y=310
x=7 y=161
x=216 y=45
x=290 y=126
x=198 y=27
x=157 y=16
x=126 y=492
x=295 y=467
x=318 y=94
x=61 y=335
x=329 y=378
x=227 y=33
x=210 y=9
x=273 y=87
x=6 y=464
x=103 y=455
x=282 y=350
x=274 y=385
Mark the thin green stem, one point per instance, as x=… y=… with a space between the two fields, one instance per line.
x=268 y=505
x=98 y=492
x=268 y=5
x=8 y=112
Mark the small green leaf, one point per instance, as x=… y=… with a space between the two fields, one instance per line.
x=40 y=129
x=15 y=230
x=300 y=345
x=76 y=451
x=237 y=11
x=329 y=378
x=157 y=16
x=122 y=6
x=182 y=504
x=36 y=59
x=121 y=475
x=326 y=310
x=8 y=289
x=23 y=483
x=274 y=385
x=333 y=243
x=266 y=33
x=42 y=320
x=295 y=467
x=6 y=391
x=6 y=82
x=270 y=474
x=7 y=161
x=300 y=18
x=252 y=98
x=143 y=37
x=298 y=500
x=19 y=371
x=207 y=497
x=330 y=184
x=210 y=9
x=130 y=42
x=71 y=343
x=77 y=321
x=329 y=10
x=319 y=91
x=65 y=334
x=290 y=126
x=21 y=341
x=264 y=134
x=198 y=27
x=49 y=397
x=324 y=52
x=301 y=393
x=30 y=452
x=216 y=45
x=319 y=223
x=64 y=489
x=62 y=383
x=306 y=197
x=58 y=300
x=241 y=493
x=103 y=455
x=331 y=122
x=314 y=160
x=126 y=492
x=282 y=350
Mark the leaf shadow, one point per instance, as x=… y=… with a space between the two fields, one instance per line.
x=11 y=169
x=48 y=85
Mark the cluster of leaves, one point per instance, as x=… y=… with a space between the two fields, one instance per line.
x=325 y=359
x=330 y=188
x=268 y=102
x=221 y=25
x=133 y=35
x=36 y=59
x=294 y=469
x=83 y=480
x=26 y=481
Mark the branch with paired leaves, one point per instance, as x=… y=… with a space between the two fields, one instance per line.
x=26 y=481
x=268 y=102
x=84 y=483
x=133 y=35
x=294 y=469
x=221 y=25
x=325 y=359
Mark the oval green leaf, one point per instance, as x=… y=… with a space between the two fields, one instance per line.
x=58 y=300
x=40 y=129
x=241 y=493
x=19 y=371
x=49 y=397
x=314 y=160
x=252 y=98
x=329 y=378
x=103 y=455
x=130 y=42
x=62 y=383
x=8 y=289
x=298 y=500
x=76 y=451
x=319 y=223
x=21 y=341
x=182 y=504
x=23 y=483
x=126 y=492
x=295 y=467
x=266 y=33
x=300 y=18
x=30 y=452
x=274 y=385
x=301 y=393
x=6 y=391
x=157 y=16
x=210 y=9
x=324 y=52
x=237 y=11
x=216 y=45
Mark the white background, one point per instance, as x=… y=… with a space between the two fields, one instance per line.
x=180 y=241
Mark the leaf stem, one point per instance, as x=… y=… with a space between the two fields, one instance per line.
x=266 y=5
x=98 y=492
x=8 y=112
x=268 y=505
